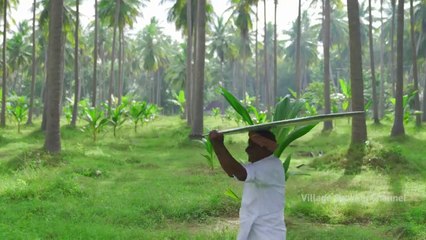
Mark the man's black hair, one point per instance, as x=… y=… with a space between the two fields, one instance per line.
x=266 y=133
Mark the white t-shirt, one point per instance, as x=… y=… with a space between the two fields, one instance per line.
x=262 y=206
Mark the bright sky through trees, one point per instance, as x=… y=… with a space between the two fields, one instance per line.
x=287 y=13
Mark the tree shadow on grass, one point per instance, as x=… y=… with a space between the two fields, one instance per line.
x=355 y=156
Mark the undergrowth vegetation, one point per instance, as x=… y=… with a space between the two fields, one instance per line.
x=155 y=184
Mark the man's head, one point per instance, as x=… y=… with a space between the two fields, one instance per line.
x=261 y=144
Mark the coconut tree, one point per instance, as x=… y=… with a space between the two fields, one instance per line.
x=76 y=67
x=33 y=66
x=197 y=125
x=44 y=20
x=306 y=50
x=106 y=7
x=19 y=52
x=298 y=46
x=55 y=68
x=398 y=124
x=153 y=54
x=95 y=56
x=219 y=42
x=242 y=11
x=359 y=129
x=328 y=125
x=373 y=70
x=414 y=60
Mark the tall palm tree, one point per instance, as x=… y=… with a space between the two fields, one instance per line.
x=298 y=60
x=107 y=5
x=197 y=125
x=55 y=76
x=398 y=124
x=328 y=125
x=359 y=129
x=95 y=56
x=275 y=87
x=153 y=54
x=33 y=67
x=4 y=85
x=373 y=70
x=19 y=52
x=76 y=67
x=219 y=42
x=414 y=60
x=382 y=67
x=265 y=61
x=242 y=11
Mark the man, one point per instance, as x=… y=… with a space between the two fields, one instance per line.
x=262 y=206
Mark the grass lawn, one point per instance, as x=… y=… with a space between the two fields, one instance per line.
x=154 y=184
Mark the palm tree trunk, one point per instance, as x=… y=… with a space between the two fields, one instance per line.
x=328 y=125
x=120 y=65
x=392 y=54
x=265 y=59
x=76 y=69
x=111 y=82
x=55 y=76
x=398 y=124
x=188 y=63
x=382 y=67
x=274 y=93
x=197 y=128
x=33 y=72
x=257 y=90
x=4 y=84
x=298 y=60
x=373 y=70
x=95 y=56
x=359 y=129
x=414 y=59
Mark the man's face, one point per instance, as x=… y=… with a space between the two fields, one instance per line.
x=251 y=150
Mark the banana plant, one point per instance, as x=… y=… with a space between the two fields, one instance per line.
x=347 y=92
x=406 y=99
x=210 y=157
x=96 y=120
x=118 y=117
x=18 y=108
x=286 y=109
x=179 y=100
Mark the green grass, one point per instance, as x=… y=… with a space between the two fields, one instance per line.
x=154 y=184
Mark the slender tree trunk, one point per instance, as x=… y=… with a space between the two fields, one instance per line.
x=111 y=82
x=95 y=57
x=4 y=84
x=274 y=93
x=33 y=72
x=328 y=125
x=265 y=59
x=76 y=68
x=298 y=60
x=382 y=67
x=188 y=63
x=55 y=76
x=359 y=129
x=392 y=54
x=373 y=70
x=398 y=124
x=414 y=59
x=197 y=128
x=244 y=88
x=257 y=90
x=120 y=65
x=194 y=64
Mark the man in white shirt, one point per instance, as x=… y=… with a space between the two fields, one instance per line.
x=262 y=206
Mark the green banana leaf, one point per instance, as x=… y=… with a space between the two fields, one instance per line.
x=241 y=110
